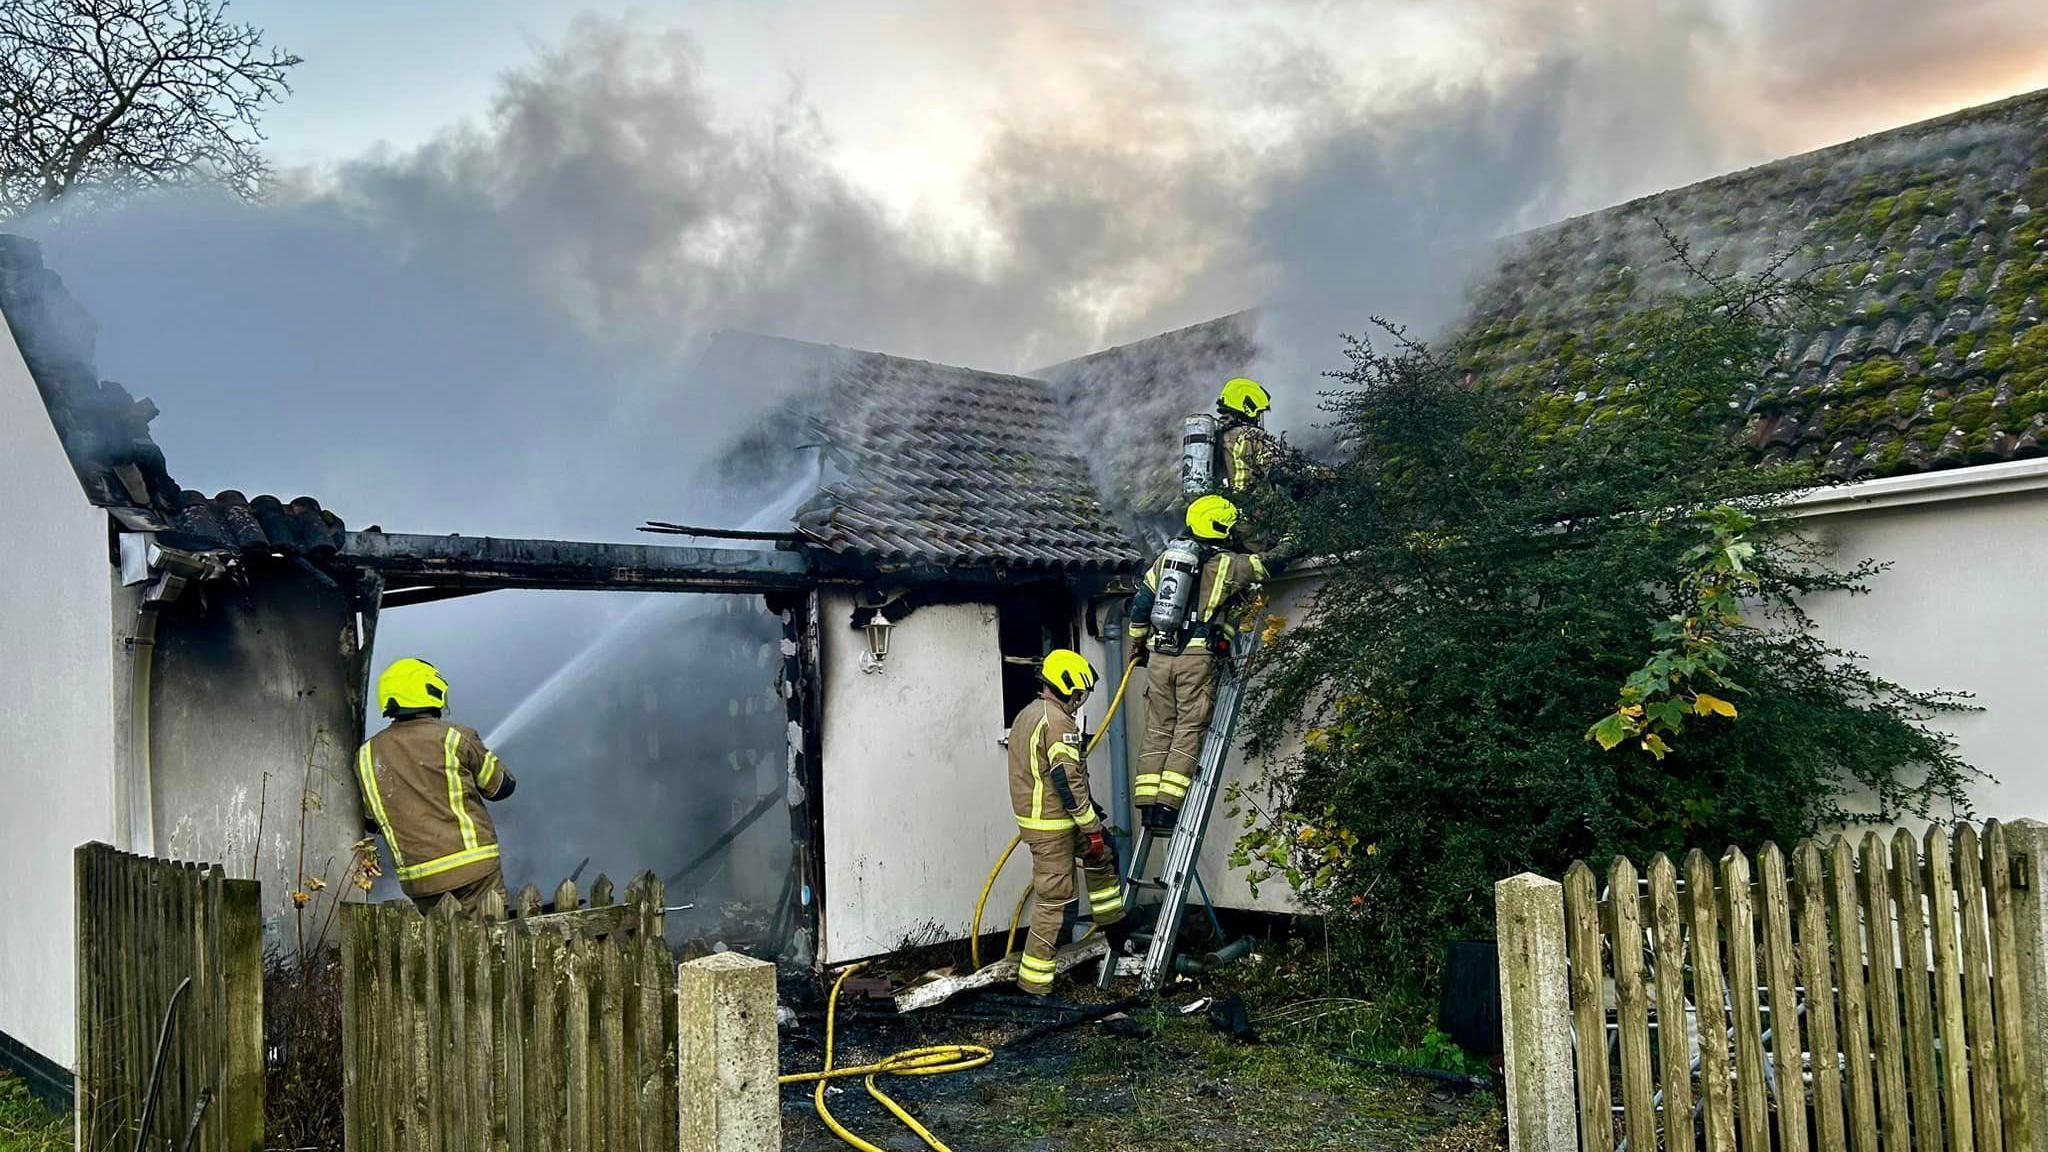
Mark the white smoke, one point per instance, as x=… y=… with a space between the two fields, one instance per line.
x=492 y=332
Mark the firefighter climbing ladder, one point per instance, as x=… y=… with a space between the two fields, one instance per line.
x=1177 y=877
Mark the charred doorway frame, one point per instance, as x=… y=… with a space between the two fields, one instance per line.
x=401 y=569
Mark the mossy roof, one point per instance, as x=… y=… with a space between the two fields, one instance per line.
x=1934 y=238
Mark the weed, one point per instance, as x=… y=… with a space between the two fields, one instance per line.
x=302 y=1048
x=27 y=1126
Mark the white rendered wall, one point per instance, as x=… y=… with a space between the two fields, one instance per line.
x=916 y=805
x=57 y=732
x=1964 y=606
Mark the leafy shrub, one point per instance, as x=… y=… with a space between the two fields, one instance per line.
x=1502 y=585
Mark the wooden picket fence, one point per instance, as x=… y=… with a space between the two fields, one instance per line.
x=147 y=927
x=553 y=1029
x=1881 y=994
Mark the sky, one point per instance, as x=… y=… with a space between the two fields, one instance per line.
x=502 y=231
x=907 y=91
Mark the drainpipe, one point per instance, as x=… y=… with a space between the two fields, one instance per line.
x=1119 y=749
x=141 y=662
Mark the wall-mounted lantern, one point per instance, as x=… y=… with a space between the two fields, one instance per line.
x=877 y=628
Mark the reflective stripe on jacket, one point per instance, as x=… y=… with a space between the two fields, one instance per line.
x=1226 y=576
x=1048 y=781
x=424 y=782
x=1247 y=455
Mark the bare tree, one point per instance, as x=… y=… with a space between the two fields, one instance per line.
x=130 y=93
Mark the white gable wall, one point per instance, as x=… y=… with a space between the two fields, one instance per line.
x=57 y=730
x=915 y=800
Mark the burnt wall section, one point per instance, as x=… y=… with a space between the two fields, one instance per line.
x=255 y=712
x=801 y=683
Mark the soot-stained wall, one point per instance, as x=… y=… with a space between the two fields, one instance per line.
x=255 y=712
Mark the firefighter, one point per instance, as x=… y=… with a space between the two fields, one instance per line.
x=1055 y=817
x=424 y=784
x=1246 y=449
x=1182 y=622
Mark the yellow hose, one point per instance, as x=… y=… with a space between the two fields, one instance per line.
x=936 y=1060
x=981 y=902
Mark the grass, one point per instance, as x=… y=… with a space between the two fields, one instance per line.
x=1181 y=1086
x=1186 y=1087
x=27 y=1126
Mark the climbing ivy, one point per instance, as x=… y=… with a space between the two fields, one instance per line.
x=1509 y=577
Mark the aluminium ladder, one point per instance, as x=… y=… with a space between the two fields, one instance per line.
x=1177 y=876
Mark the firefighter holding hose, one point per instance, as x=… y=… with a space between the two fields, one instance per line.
x=1056 y=818
x=424 y=783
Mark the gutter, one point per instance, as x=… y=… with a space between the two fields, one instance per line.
x=1973 y=483
x=1976 y=482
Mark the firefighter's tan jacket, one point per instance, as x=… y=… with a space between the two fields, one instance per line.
x=1248 y=453
x=1048 y=781
x=424 y=782
x=1226 y=577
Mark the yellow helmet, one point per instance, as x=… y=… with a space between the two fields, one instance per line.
x=1244 y=396
x=1068 y=672
x=1212 y=518
x=411 y=683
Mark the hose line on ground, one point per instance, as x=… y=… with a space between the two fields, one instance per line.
x=936 y=1060
x=981 y=902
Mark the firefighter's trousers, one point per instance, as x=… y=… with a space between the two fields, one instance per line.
x=1179 y=693
x=1054 y=856
x=470 y=895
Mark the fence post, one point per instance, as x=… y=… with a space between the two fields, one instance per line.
x=2028 y=842
x=1535 y=1015
x=241 y=935
x=726 y=1040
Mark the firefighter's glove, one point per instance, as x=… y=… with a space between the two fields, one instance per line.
x=1220 y=646
x=1095 y=846
x=1142 y=656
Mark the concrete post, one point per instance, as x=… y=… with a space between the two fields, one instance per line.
x=1536 y=1016
x=2027 y=841
x=725 y=1024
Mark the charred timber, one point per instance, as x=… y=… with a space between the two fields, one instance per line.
x=485 y=562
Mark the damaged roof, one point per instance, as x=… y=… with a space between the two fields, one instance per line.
x=1125 y=406
x=1934 y=235
x=931 y=466
x=958 y=468
x=105 y=431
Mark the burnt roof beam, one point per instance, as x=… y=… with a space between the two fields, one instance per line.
x=483 y=562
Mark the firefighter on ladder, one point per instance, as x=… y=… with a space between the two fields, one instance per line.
x=1181 y=625
x=424 y=783
x=1246 y=449
x=1055 y=816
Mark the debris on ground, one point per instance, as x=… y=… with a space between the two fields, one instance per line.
x=1138 y=1078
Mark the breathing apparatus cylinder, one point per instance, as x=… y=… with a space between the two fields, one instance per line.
x=1197 y=454
x=1180 y=569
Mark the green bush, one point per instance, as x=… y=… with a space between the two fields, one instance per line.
x=1497 y=590
x=27 y=1126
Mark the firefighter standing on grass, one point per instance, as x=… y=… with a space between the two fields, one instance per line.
x=1182 y=623
x=1055 y=816
x=424 y=784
